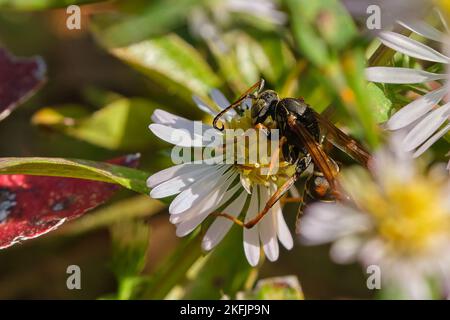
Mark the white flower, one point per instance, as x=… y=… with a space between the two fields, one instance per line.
x=424 y=119
x=202 y=189
x=399 y=220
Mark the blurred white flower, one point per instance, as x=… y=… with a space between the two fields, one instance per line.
x=424 y=119
x=398 y=219
x=202 y=189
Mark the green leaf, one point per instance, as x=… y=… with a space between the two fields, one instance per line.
x=172 y=62
x=41 y=4
x=152 y=19
x=380 y=103
x=132 y=179
x=121 y=125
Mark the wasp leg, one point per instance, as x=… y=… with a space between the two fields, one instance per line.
x=300 y=210
x=275 y=157
x=263 y=128
x=292 y=200
x=275 y=197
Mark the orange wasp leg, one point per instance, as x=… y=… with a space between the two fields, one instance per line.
x=275 y=197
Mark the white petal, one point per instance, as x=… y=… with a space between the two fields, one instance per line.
x=284 y=235
x=204 y=106
x=219 y=228
x=192 y=134
x=171 y=120
x=168 y=173
x=426 y=127
x=219 y=98
x=325 y=222
x=345 y=250
x=268 y=228
x=197 y=210
x=411 y=47
x=431 y=141
x=167 y=118
x=400 y=75
x=210 y=203
x=222 y=102
x=423 y=29
x=251 y=236
x=416 y=109
x=199 y=190
x=442 y=19
x=180 y=182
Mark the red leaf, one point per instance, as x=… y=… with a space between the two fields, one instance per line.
x=33 y=205
x=19 y=79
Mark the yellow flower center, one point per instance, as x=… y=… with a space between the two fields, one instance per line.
x=409 y=217
x=254 y=153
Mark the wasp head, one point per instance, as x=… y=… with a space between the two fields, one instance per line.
x=264 y=106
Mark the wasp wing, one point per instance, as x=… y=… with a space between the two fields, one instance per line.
x=321 y=160
x=342 y=141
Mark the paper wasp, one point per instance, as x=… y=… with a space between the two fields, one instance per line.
x=302 y=133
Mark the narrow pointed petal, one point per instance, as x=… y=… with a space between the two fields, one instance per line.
x=400 y=75
x=181 y=182
x=423 y=29
x=191 y=134
x=219 y=228
x=210 y=203
x=432 y=140
x=284 y=235
x=198 y=209
x=204 y=106
x=411 y=47
x=219 y=99
x=416 y=109
x=268 y=228
x=426 y=127
x=251 y=236
x=168 y=173
x=199 y=190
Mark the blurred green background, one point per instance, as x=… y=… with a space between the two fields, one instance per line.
x=168 y=51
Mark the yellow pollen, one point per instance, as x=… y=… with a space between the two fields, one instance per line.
x=409 y=216
x=257 y=172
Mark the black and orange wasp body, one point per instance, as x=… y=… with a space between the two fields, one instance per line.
x=302 y=132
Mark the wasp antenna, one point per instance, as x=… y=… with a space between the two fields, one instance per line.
x=217 y=118
x=248 y=93
x=220 y=114
x=262 y=82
